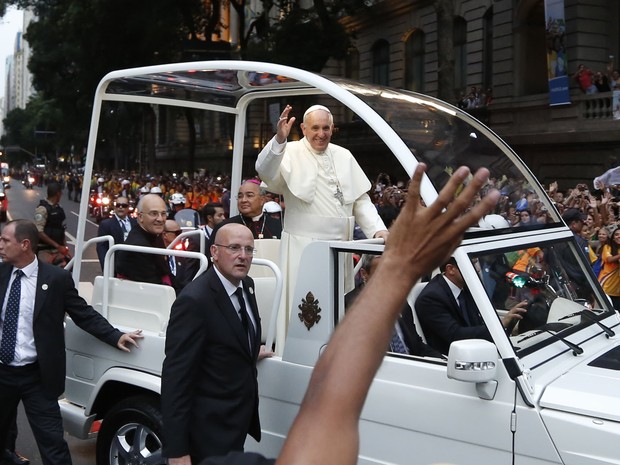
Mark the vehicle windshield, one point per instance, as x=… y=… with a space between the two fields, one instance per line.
x=559 y=291
x=445 y=138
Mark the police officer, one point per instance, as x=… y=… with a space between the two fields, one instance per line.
x=50 y=220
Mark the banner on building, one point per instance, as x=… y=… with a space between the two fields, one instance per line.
x=556 y=53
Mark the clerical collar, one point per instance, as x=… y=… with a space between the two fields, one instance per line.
x=257 y=218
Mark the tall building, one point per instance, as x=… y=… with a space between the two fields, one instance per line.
x=18 y=87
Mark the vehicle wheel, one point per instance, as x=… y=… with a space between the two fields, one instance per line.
x=131 y=434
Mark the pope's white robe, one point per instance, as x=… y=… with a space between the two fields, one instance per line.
x=307 y=180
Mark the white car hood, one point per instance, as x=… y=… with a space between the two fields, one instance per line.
x=591 y=388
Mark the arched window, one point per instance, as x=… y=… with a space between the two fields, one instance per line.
x=487 y=49
x=459 y=32
x=381 y=63
x=532 y=70
x=414 y=61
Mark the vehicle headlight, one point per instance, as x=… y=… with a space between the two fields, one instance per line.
x=106 y=201
x=7 y=179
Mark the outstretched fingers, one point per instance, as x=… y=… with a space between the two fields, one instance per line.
x=426 y=236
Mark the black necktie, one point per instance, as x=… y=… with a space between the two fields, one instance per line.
x=123 y=227
x=463 y=305
x=9 y=327
x=245 y=319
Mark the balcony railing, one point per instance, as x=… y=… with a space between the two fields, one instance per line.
x=596 y=106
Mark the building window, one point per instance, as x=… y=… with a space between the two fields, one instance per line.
x=352 y=64
x=414 y=61
x=460 y=52
x=487 y=49
x=533 y=58
x=381 y=63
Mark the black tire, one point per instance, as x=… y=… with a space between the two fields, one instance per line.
x=131 y=434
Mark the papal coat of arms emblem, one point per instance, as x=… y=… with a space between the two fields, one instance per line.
x=310 y=310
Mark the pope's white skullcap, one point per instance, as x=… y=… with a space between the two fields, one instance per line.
x=315 y=108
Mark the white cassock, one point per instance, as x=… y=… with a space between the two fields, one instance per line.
x=325 y=195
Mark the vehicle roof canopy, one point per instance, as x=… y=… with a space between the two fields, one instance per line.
x=414 y=127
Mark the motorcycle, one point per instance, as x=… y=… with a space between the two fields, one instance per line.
x=28 y=182
x=99 y=206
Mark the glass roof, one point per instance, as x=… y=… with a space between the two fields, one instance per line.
x=433 y=131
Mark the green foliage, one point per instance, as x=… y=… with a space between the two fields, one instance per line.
x=22 y=125
x=75 y=43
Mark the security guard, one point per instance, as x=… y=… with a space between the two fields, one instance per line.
x=50 y=220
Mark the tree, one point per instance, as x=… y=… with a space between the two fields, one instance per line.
x=75 y=43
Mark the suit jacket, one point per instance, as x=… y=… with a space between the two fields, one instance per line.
x=209 y=389
x=412 y=339
x=55 y=295
x=442 y=319
x=111 y=227
x=147 y=268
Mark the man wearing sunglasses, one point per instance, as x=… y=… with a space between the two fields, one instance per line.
x=118 y=226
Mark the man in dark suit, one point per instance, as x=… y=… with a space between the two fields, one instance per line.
x=250 y=201
x=118 y=227
x=183 y=269
x=405 y=338
x=32 y=350
x=447 y=311
x=147 y=268
x=209 y=390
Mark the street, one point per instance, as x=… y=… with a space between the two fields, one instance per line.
x=22 y=203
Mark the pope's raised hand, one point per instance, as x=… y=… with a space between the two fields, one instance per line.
x=284 y=125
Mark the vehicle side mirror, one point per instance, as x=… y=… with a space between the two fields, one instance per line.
x=474 y=361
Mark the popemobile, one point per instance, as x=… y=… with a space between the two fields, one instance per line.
x=544 y=392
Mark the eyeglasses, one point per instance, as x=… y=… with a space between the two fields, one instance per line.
x=176 y=233
x=236 y=248
x=121 y=205
x=155 y=214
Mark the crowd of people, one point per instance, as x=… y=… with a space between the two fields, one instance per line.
x=593 y=82
x=475 y=98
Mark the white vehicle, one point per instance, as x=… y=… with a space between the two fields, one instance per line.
x=547 y=393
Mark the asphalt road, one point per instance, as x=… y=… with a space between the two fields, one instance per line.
x=22 y=203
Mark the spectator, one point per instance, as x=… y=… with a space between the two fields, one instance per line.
x=584 y=76
x=601 y=82
x=609 y=276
